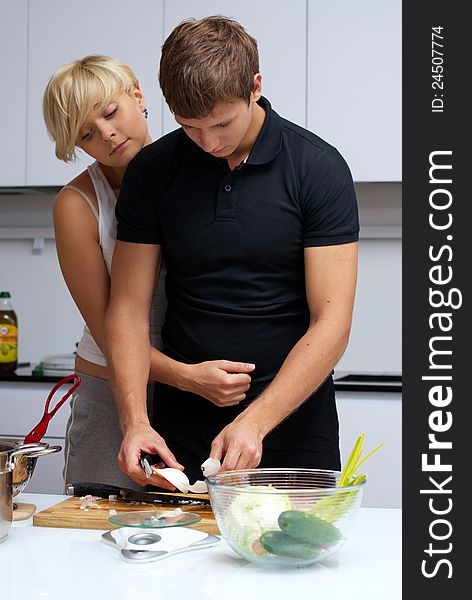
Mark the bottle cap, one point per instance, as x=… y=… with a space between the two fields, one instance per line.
x=5 y=295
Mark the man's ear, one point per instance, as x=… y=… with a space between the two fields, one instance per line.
x=256 y=88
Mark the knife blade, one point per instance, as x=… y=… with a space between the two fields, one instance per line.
x=103 y=491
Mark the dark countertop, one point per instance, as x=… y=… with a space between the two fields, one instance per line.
x=25 y=375
x=343 y=381
x=368 y=382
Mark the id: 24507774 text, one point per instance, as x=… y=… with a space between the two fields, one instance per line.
x=437 y=69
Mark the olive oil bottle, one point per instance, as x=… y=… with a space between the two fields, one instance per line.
x=8 y=335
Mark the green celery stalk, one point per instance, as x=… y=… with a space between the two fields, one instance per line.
x=333 y=507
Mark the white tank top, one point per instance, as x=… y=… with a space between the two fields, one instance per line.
x=106 y=200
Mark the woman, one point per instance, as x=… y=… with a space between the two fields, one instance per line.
x=96 y=105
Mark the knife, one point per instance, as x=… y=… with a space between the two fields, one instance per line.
x=103 y=491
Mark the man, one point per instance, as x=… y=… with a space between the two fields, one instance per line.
x=256 y=219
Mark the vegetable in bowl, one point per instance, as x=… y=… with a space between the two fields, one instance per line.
x=312 y=532
x=248 y=515
x=288 y=517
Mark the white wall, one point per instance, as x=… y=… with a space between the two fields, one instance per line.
x=48 y=321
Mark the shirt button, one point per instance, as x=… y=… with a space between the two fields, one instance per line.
x=227 y=187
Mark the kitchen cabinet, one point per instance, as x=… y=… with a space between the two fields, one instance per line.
x=354 y=83
x=375 y=343
x=22 y=406
x=280 y=30
x=379 y=415
x=334 y=67
x=13 y=62
x=60 y=32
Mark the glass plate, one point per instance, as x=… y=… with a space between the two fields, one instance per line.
x=154 y=519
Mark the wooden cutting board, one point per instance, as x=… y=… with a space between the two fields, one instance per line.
x=68 y=514
x=23 y=511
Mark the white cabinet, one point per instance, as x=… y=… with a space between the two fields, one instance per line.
x=334 y=67
x=21 y=408
x=280 y=30
x=13 y=69
x=60 y=32
x=354 y=83
x=379 y=415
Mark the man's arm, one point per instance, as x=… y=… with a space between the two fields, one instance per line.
x=134 y=272
x=330 y=278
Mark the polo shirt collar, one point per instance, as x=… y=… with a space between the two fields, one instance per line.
x=266 y=146
x=269 y=140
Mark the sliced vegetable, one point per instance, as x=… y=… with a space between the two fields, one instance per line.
x=175 y=477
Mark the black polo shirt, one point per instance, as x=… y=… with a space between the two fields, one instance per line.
x=233 y=241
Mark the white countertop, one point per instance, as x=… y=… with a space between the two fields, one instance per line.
x=73 y=564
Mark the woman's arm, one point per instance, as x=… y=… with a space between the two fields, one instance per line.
x=222 y=382
x=81 y=259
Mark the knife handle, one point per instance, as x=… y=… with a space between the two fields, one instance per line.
x=102 y=490
x=147 y=460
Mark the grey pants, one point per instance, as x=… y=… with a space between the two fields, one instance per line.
x=93 y=436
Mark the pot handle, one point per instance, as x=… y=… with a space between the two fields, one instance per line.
x=31 y=451
x=44 y=451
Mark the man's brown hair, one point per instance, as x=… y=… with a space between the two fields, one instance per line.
x=205 y=62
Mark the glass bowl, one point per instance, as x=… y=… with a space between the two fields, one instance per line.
x=283 y=517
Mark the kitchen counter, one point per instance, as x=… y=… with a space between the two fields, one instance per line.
x=26 y=375
x=39 y=562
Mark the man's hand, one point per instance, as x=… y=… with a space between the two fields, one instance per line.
x=143 y=438
x=222 y=382
x=240 y=443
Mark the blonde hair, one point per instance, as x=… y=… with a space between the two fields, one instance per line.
x=75 y=89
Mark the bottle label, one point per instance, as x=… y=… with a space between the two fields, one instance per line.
x=8 y=343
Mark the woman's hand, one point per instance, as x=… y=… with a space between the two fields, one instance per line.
x=222 y=382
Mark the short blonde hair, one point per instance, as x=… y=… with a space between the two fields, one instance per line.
x=75 y=89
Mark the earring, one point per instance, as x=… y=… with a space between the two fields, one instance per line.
x=145 y=113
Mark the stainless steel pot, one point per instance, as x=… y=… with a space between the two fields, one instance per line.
x=17 y=464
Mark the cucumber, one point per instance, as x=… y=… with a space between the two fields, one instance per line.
x=277 y=542
x=307 y=527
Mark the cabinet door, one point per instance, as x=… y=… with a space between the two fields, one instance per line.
x=280 y=30
x=379 y=415
x=22 y=406
x=13 y=57
x=61 y=32
x=354 y=83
